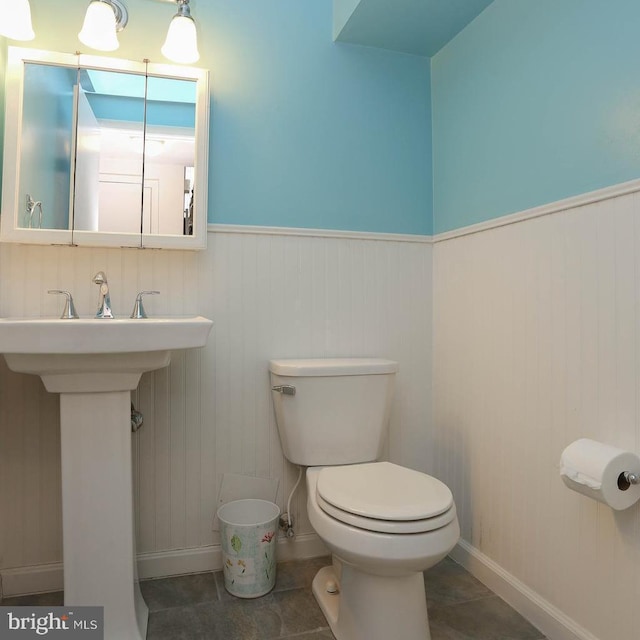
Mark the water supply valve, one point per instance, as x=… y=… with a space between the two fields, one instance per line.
x=286 y=526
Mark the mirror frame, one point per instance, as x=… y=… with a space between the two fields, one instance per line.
x=12 y=203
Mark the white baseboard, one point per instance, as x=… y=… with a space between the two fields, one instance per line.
x=174 y=563
x=162 y=564
x=40 y=578
x=541 y=613
x=49 y=577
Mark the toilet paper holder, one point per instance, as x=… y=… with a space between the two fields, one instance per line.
x=602 y=472
x=626 y=479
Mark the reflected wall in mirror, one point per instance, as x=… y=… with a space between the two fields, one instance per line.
x=106 y=100
x=104 y=152
x=47 y=146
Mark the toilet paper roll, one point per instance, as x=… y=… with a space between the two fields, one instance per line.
x=596 y=470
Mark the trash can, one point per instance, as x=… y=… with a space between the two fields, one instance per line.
x=249 y=536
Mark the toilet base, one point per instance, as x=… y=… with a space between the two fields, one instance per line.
x=370 y=607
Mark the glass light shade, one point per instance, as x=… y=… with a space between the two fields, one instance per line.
x=16 y=20
x=181 y=44
x=99 y=28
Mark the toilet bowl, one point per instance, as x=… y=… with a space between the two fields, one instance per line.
x=383 y=523
x=383 y=537
x=375 y=589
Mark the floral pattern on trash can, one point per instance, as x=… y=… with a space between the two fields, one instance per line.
x=248 y=529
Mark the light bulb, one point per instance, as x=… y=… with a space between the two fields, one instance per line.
x=16 y=20
x=181 y=44
x=99 y=28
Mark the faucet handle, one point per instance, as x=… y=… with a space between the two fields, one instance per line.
x=69 y=312
x=138 y=308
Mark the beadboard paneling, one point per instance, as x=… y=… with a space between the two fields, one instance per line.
x=537 y=343
x=210 y=412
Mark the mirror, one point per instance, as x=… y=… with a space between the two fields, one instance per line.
x=104 y=152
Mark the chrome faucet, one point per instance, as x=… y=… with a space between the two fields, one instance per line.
x=138 y=308
x=104 y=305
x=69 y=312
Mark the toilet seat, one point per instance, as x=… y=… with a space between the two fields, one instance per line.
x=366 y=496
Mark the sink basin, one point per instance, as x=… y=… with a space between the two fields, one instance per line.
x=78 y=356
x=93 y=335
x=95 y=364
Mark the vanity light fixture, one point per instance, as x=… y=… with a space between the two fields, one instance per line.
x=181 y=44
x=16 y=20
x=104 y=18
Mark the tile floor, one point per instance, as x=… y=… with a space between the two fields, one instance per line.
x=197 y=607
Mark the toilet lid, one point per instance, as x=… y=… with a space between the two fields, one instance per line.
x=383 y=491
x=388 y=526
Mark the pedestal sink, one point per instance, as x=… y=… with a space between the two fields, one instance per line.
x=94 y=364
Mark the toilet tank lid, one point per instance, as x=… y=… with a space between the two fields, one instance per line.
x=332 y=367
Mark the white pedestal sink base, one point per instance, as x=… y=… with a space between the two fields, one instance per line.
x=97 y=510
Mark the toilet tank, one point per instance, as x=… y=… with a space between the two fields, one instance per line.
x=339 y=411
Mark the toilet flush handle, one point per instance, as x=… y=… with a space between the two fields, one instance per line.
x=287 y=389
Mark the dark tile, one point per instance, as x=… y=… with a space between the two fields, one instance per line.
x=223 y=594
x=250 y=619
x=485 y=619
x=52 y=599
x=441 y=631
x=197 y=607
x=322 y=634
x=449 y=583
x=168 y=593
x=299 y=611
x=178 y=623
x=257 y=619
x=299 y=573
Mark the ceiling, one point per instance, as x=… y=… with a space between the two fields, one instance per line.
x=420 y=27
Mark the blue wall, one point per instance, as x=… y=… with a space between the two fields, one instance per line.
x=304 y=132
x=308 y=133
x=534 y=102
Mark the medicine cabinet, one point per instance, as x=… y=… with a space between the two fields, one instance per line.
x=104 y=152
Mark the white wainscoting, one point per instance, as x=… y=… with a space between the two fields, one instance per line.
x=537 y=343
x=270 y=295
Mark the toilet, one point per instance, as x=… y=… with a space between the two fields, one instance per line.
x=384 y=524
